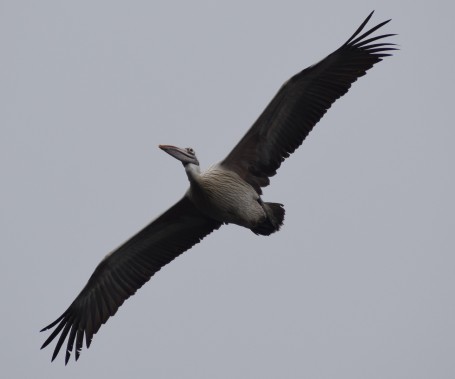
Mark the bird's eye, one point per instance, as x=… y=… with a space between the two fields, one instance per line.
x=190 y=150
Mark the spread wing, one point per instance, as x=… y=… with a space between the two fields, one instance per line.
x=125 y=270
x=300 y=104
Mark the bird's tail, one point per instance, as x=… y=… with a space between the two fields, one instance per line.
x=275 y=216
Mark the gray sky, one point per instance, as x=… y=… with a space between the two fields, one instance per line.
x=360 y=281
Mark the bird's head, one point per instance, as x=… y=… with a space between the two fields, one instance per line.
x=185 y=155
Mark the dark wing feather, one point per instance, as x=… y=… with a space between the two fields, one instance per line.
x=125 y=270
x=300 y=104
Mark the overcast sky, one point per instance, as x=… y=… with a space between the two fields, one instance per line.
x=359 y=283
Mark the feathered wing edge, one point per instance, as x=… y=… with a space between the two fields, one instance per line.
x=124 y=271
x=300 y=104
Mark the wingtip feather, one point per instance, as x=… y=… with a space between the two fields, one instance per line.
x=359 y=29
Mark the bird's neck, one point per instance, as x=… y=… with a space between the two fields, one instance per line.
x=192 y=171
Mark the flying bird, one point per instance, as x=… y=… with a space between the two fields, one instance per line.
x=229 y=192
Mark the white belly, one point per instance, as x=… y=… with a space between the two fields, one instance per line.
x=224 y=196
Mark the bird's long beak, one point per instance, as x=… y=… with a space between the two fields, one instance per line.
x=174 y=151
x=184 y=155
x=171 y=150
x=167 y=147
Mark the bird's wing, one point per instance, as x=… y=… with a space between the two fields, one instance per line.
x=125 y=270
x=300 y=104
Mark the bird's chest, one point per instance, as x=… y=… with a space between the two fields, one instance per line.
x=227 y=198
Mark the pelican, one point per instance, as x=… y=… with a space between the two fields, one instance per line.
x=227 y=193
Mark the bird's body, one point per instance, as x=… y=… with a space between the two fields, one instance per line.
x=227 y=193
x=224 y=196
